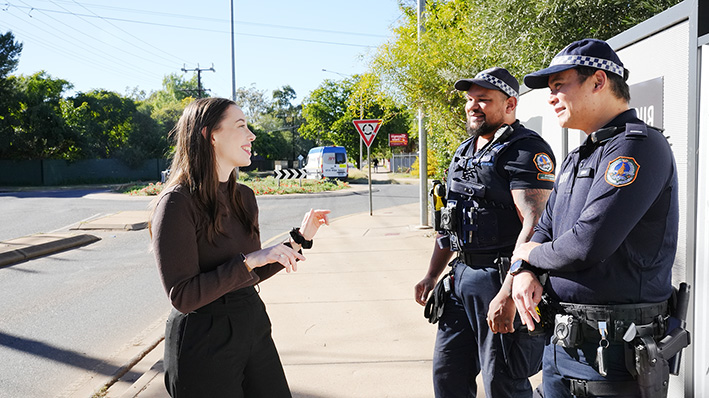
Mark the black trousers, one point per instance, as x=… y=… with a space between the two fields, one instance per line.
x=223 y=349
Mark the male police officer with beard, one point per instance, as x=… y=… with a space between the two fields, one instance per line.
x=498 y=183
x=606 y=240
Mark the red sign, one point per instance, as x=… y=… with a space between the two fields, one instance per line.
x=368 y=129
x=399 y=139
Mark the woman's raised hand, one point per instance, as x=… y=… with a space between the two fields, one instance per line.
x=312 y=221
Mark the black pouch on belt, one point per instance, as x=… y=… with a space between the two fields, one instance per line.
x=437 y=301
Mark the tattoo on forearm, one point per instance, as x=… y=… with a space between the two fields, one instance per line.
x=530 y=205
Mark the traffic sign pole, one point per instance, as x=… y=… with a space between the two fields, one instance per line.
x=367 y=131
x=369 y=165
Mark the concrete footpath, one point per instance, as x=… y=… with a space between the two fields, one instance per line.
x=346 y=324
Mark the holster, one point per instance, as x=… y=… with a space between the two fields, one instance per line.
x=437 y=301
x=651 y=368
x=651 y=358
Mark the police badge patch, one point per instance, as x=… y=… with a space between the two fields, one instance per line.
x=622 y=171
x=543 y=163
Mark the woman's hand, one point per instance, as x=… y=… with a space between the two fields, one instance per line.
x=279 y=253
x=312 y=221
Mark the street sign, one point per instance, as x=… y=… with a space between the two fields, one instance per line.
x=289 y=174
x=399 y=139
x=368 y=129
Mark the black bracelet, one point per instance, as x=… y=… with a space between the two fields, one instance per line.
x=300 y=239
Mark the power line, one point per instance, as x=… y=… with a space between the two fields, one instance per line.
x=193 y=18
x=67 y=51
x=89 y=36
x=128 y=33
x=212 y=30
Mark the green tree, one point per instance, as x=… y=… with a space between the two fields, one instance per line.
x=9 y=57
x=331 y=108
x=165 y=106
x=103 y=121
x=290 y=119
x=463 y=37
x=37 y=129
x=174 y=89
x=9 y=54
x=112 y=126
x=253 y=102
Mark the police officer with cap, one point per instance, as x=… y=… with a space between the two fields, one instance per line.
x=498 y=182
x=607 y=238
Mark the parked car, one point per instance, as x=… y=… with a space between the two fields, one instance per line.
x=327 y=162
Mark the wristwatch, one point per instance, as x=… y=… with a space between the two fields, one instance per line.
x=299 y=239
x=243 y=260
x=521 y=265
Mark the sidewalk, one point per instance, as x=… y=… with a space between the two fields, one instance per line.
x=345 y=323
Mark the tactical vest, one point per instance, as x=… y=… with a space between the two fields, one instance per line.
x=483 y=216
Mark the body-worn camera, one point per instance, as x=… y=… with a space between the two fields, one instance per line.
x=567 y=331
x=448 y=221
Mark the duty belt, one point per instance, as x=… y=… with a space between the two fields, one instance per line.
x=618 y=317
x=475 y=260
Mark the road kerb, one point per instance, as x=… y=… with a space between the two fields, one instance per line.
x=33 y=246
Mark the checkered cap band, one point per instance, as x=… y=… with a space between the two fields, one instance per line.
x=498 y=83
x=593 y=62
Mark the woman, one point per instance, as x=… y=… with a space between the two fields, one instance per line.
x=206 y=242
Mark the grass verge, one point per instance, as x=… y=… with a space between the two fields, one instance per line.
x=260 y=185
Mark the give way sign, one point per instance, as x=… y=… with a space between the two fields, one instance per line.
x=368 y=129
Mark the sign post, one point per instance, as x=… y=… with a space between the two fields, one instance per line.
x=368 y=129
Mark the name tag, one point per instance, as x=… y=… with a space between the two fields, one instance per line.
x=585 y=173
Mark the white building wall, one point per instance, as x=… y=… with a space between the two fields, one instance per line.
x=700 y=338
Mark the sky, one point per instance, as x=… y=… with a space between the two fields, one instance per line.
x=118 y=46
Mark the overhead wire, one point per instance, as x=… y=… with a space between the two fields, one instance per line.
x=223 y=31
x=92 y=39
x=120 y=65
x=132 y=35
x=210 y=19
x=62 y=50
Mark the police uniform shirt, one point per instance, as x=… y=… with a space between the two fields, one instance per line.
x=611 y=222
x=520 y=160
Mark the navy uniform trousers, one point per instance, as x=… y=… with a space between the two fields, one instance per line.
x=223 y=349
x=465 y=346
x=579 y=363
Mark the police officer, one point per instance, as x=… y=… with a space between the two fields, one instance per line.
x=608 y=235
x=498 y=182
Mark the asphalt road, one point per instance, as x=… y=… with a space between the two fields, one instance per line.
x=67 y=314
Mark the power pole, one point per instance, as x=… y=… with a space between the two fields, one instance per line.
x=233 y=62
x=423 y=145
x=199 y=77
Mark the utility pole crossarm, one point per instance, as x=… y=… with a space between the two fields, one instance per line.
x=199 y=77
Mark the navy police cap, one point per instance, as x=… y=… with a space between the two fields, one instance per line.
x=494 y=79
x=593 y=53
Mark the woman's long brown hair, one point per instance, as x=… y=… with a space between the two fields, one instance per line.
x=194 y=164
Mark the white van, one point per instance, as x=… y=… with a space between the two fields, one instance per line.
x=326 y=162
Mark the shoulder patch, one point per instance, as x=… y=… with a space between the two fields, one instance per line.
x=545 y=177
x=543 y=163
x=622 y=171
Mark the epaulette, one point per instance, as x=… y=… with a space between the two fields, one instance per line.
x=635 y=131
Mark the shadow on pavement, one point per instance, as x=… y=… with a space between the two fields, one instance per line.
x=67 y=357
